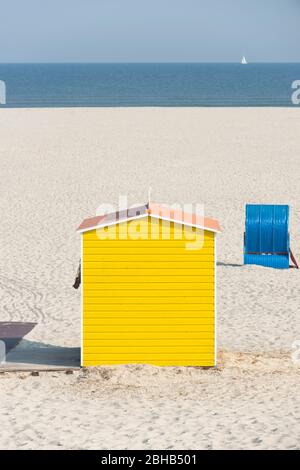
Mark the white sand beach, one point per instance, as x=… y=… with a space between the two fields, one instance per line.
x=57 y=167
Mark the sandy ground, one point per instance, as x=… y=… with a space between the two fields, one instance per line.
x=57 y=167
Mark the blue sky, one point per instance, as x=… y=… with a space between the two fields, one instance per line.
x=149 y=30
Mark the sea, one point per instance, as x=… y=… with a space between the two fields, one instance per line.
x=148 y=84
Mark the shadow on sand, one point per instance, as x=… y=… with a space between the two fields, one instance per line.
x=33 y=355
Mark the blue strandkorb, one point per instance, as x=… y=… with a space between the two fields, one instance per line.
x=266 y=238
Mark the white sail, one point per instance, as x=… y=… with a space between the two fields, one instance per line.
x=244 y=61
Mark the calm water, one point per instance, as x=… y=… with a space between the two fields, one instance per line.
x=53 y=85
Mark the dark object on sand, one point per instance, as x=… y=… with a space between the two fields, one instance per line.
x=11 y=333
x=78 y=277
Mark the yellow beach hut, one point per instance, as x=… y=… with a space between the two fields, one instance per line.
x=149 y=288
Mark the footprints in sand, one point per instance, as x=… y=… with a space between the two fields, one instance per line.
x=20 y=302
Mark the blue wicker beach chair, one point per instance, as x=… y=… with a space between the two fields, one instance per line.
x=266 y=239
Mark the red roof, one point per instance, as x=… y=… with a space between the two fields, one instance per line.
x=154 y=210
x=186 y=218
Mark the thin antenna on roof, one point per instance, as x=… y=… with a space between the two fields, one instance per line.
x=149 y=196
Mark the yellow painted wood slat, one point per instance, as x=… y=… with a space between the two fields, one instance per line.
x=148 y=321
x=152 y=244
x=147 y=251
x=147 y=301
x=153 y=350
x=143 y=236
x=141 y=336
x=176 y=236
x=149 y=309
x=169 y=316
x=155 y=363
x=149 y=286
x=146 y=293
x=160 y=245
x=146 y=279
x=91 y=319
x=164 y=329
x=137 y=358
x=185 y=257
x=122 y=343
x=133 y=355
x=103 y=271
x=159 y=266
x=176 y=362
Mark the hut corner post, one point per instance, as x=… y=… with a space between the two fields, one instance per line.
x=81 y=313
x=215 y=300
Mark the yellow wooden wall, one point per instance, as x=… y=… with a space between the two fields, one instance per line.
x=147 y=300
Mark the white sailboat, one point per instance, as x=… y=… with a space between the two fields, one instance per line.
x=244 y=61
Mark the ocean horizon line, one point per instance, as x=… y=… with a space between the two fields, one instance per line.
x=153 y=63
